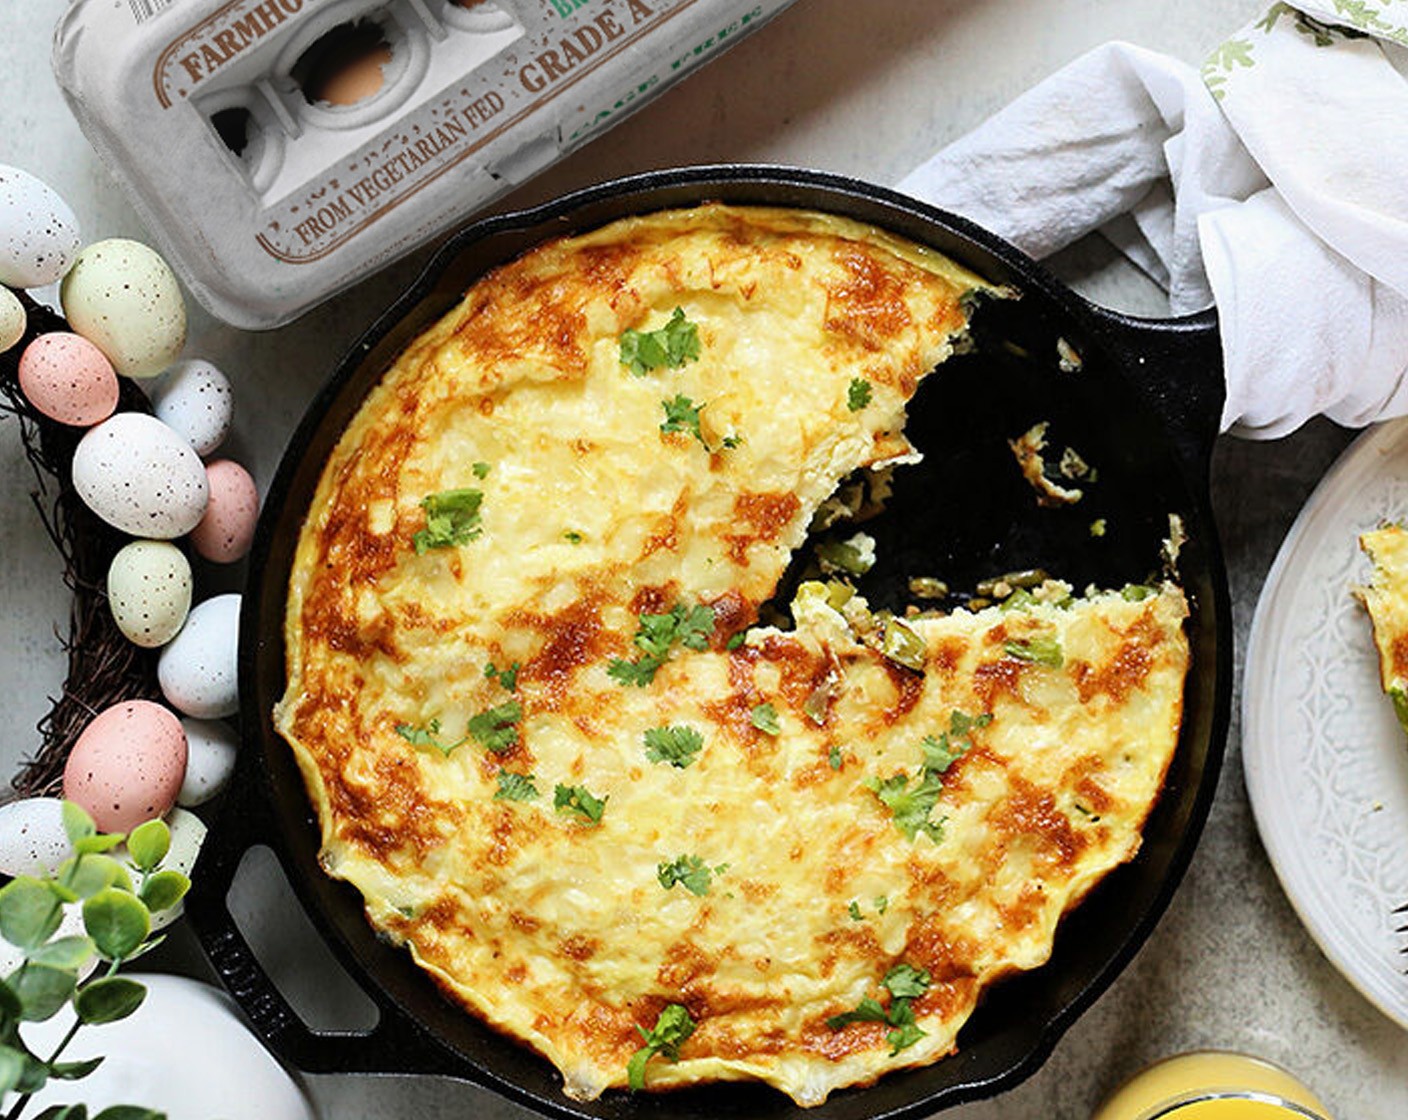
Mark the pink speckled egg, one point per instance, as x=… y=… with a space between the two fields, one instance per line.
x=226 y=531
x=127 y=765
x=68 y=379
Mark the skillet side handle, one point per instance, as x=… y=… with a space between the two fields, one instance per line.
x=395 y=1045
x=1177 y=365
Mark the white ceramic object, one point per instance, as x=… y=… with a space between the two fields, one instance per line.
x=184 y=1052
x=1326 y=763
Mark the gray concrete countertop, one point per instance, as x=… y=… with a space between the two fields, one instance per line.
x=864 y=89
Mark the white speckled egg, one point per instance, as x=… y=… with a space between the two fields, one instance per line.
x=38 y=232
x=149 y=591
x=210 y=760
x=126 y=766
x=13 y=320
x=194 y=400
x=68 y=379
x=123 y=297
x=32 y=836
x=197 y=668
x=187 y=836
x=227 y=529
x=141 y=477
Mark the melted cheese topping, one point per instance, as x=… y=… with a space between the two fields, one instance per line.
x=561 y=931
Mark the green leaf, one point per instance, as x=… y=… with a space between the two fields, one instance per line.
x=495 y=728
x=73 y=1071
x=117 y=922
x=77 y=822
x=867 y=1011
x=451 y=519
x=911 y=806
x=833 y=757
x=102 y=842
x=10 y=1007
x=65 y=952
x=907 y=1032
x=148 y=844
x=29 y=912
x=858 y=395
x=682 y=415
x=674 y=744
x=129 y=1112
x=672 y=1028
x=515 y=787
x=577 y=799
x=690 y=872
x=854 y=911
x=12 y=1063
x=906 y=982
x=671 y=346
x=507 y=678
x=481 y=470
x=427 y=736
x=64 y=1112
x=764 y=718
x=164 y=889
x=42 y=990
x=108 y=1000
x=657 y=634
x=86 y=875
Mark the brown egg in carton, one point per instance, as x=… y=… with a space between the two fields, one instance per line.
x=280 y=150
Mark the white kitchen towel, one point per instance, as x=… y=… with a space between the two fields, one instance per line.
x=1272 y=183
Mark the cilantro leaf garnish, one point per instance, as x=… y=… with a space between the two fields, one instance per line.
x=496 y=728
x=481 y=470
x=451 y=519
x=657 y=634
x=516 y=787
x=910 y=807
x=675 y=744
x=669 y=347
x=904 y=983
x=427 y=736
x=1039 y=651
x=572 y=536
x=672 y=1028
x=690 y=872
x=682 y=415
x=943 y=751
x=764 y=718
x=578 y=800
x=854 y=911
x=858 y=395
x=508 y=678
x=881 y=904
x=736 y=642
x=833 y=757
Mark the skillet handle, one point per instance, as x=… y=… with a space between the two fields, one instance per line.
x=395 y=1045
x=1177 y=364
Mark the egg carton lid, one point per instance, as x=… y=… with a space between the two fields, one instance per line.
x=268 y=199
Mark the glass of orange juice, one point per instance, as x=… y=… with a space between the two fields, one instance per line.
x=1212 y=1085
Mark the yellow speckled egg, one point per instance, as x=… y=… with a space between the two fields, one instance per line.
x=127 y=765
x=68 y=379
x=13 y=320
x=149 y=591
x=123 y=297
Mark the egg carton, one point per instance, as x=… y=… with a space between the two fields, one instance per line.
x=280 y=150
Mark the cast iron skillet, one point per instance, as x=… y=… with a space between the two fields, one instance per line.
x=1143 y=409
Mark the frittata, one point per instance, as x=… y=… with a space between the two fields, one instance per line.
x=1386 y=600
x=550 y=742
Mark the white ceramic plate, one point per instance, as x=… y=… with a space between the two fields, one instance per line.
x=1325 y=760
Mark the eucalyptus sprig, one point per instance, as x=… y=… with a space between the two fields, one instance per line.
x=117 y=922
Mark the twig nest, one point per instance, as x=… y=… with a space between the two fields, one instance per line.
x=68 y=379
x=13 y=320
x=196 y=670
x=141 y=477
x=127 y=765
x=210 y=760
x=193 y=398
x=32 y=836
x=123 y=297
x=38 y=232
x=149 y=591
x=227 y=529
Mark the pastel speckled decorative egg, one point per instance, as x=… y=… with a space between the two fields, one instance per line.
x=127 y=765
x=32 y=836
x=38 y=232
x=123 y=297
x=210 y=760
x=149 y=591
x=68 y=379
x=13 y=320
x=194 y=400
x=196 y=670
x=141 y=477
x=227 y=529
